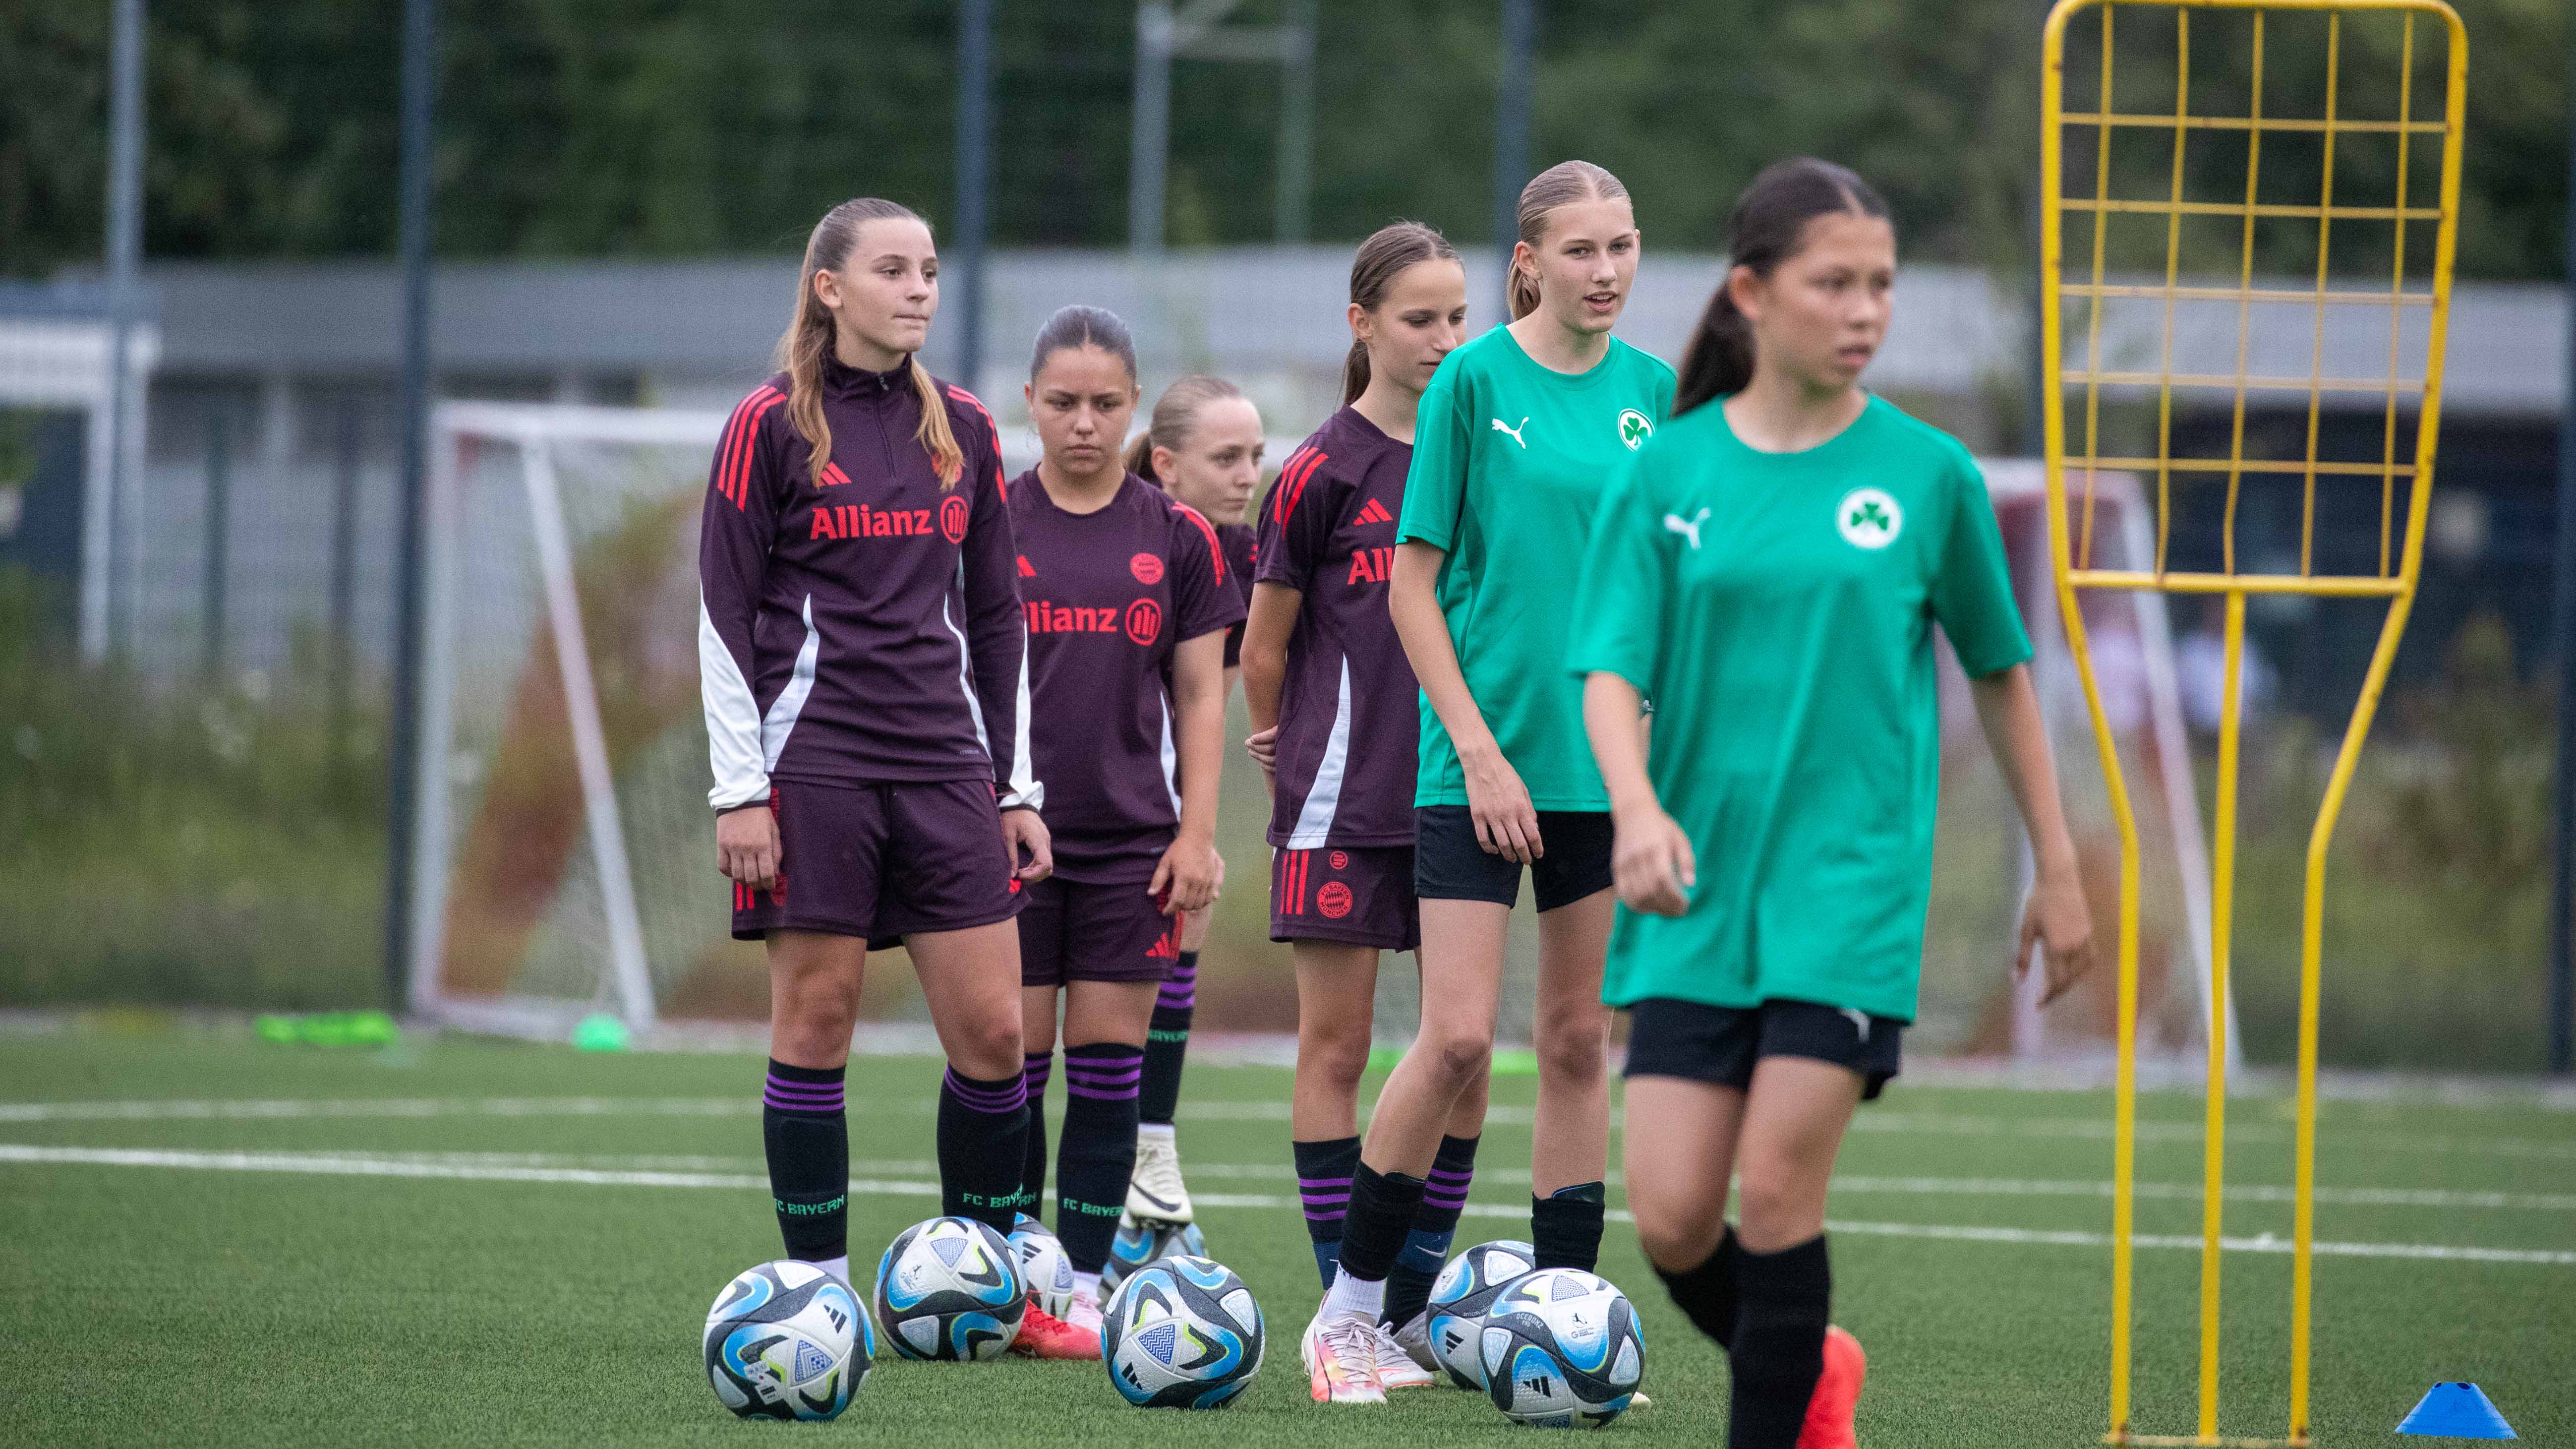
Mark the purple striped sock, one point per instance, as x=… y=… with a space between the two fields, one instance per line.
x=1447 y=1188
x=792 y=1096
x=1181 y=989
x=1326 y=1198
x=1104 y=1072
x=1011 y=1094
x=1035 y=1069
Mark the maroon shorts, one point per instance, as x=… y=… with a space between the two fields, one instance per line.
x=1072 y=931
x=882 y=860
x=1361 y=895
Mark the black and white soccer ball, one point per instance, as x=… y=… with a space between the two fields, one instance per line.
x=1181 y=1333
x=1140 y=1243
x=787 y=1340
x=1044 y=1269
x=1455 y=1318
x=950 y=1288
x=1561 y=1350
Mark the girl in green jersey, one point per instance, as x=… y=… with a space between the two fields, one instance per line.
x=1767 y=571
x=1512 y=442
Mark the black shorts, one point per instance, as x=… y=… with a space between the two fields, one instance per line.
x=1359 y=895
x=882 y=860
x=1448 y=864
x=1720 y=1044
x=1074 y=931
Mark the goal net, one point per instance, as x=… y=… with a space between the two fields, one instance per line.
x=566 y=856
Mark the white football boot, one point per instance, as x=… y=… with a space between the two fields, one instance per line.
x=1155 y=1192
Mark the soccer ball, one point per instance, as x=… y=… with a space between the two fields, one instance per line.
x=1140 y=1243
x=1044 y=1268
x=1561 y=1350
x=1181 y=1332
x=787 y=1340
x=950 y=1288
x=1459 y=1298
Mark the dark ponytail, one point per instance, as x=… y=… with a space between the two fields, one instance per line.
x=1374 y=268
x=1769 y=224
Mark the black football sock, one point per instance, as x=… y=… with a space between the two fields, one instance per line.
x=807 y=1138
x=1426 y=1247
x=981 y=1128
x=1098 y=1153
x=1324 y=1171
x=1167 y=1042
x=1565 y=1227
x=1779 y=1348
x=1383 y=1205
x=1706 y=1294
x=1035 y=1068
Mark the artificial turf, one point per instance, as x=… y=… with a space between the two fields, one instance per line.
x=253 y=1299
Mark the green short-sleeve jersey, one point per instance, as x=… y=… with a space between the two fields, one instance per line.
x=1510 y=461
x=1778 y=610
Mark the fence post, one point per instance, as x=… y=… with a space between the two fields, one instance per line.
x=219 y=508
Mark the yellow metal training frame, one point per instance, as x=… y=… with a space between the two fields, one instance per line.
x=2071 y=532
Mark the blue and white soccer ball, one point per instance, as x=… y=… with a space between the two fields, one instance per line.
x=1140 y=1243
x=1459 y=1298
x=1561 y=1350
x=1044 y=1268
x=787 y=1340
x=1181 y=1332
x=950 y=1288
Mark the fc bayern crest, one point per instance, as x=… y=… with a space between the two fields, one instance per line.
x=952 y=518
x=1147 y=568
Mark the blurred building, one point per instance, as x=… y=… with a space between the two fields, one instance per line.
x=264 y=506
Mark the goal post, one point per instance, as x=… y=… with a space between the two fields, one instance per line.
x=527 y=908
x=2347 y=120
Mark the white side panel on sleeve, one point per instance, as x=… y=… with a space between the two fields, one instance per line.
x=733 y=720
x=791 y=700
x=1324 y=799
x=1171 y=754
x=1026 y=788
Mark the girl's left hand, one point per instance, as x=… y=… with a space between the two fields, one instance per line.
x=1024 y=835
x=2057 y=917
x=1188 y=876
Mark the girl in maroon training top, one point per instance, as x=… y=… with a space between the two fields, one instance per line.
x=1127 y=599
x=861 y=657
x=1204 y=447
x=1334 y=724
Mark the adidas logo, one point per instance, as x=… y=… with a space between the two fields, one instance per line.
x=1026 y=572
x=833 y=477
x=1373 y=512
x=1164 y=950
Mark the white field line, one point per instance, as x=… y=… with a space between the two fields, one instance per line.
x=1869 y=1120
x=353 y=1165
x=1856 y=1183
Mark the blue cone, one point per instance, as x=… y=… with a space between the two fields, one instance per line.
x=2457 y=1411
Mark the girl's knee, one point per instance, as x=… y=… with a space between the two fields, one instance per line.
x=1680 y=1234
x=989 y=1047
x=1574 y=1051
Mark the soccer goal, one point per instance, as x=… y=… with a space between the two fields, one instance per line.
x=562 y=852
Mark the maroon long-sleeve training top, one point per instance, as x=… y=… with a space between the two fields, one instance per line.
x=864 y=627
